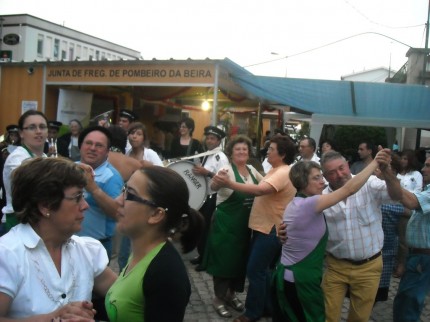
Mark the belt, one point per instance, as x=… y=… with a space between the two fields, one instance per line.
x=421 y=251
x=362 y=261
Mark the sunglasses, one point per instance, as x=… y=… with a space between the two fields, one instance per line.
x=132 y=197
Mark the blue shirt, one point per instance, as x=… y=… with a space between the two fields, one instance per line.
x=96 y=223
x=418 y=229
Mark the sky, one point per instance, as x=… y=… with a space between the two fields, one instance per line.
x=312 y=39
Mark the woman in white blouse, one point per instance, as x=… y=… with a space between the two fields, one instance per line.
x=137 y=138
x=50 y=273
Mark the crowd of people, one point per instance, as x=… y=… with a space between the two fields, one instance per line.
x=305 y=232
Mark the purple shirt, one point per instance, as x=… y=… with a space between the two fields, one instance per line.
x=305 y=228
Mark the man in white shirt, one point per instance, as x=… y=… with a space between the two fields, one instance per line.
x=355 y=241
x=307 y=150
x=210 y=165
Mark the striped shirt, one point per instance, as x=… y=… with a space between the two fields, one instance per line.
x=418 y=229
x=355 y=226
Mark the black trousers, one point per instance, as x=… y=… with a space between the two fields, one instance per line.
x=207 y=210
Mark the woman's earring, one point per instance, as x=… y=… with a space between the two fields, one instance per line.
x=47 y=215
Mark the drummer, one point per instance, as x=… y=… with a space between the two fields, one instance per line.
x=211 y=163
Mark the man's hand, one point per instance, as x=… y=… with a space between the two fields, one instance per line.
x=282 y=233
x=383 y=157
x=89 y=175
x=200 y=171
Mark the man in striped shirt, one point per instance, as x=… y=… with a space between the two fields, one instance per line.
x=355 y=241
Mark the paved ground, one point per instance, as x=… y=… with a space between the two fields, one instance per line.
x=200 y=307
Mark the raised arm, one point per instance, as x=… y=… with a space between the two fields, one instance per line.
x=351 y=187
x=222 y=180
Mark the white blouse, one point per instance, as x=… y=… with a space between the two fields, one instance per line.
x=30 y=278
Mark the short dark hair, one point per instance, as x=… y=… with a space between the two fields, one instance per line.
x=167 y=189
x=235 y=140
x=299 y=173
x=42 y=181
x=28 y=113
x=119 y=137
x=311 y=143
x=189 y=122
x=98 y=128
x=285 y=147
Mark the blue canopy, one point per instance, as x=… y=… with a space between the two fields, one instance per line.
x=343 y=98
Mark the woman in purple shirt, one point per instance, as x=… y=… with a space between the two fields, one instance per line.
x=299 y=273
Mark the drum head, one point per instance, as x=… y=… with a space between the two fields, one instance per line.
x=197 y=185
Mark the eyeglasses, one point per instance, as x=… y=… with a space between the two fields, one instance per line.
x=34 y=127
x=132 y=197
x=98 y=146
x=318 y=178
x=77 y=198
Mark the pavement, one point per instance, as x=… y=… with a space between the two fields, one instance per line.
x=200 y=308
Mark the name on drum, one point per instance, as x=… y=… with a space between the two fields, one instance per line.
x=193 y=179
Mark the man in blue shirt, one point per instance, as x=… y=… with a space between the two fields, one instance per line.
x=103 y=186
x=415 y=283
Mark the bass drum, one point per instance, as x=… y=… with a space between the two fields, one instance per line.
x=197 y=185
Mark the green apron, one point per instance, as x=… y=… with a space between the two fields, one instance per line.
x=307 y=276
x=227 y=248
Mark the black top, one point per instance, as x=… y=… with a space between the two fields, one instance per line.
x=177 y=150
x=166 y=287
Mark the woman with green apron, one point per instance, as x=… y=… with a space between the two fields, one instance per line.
x=226 y=251
x=297 y=279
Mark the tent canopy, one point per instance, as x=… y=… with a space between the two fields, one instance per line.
x=398 y=102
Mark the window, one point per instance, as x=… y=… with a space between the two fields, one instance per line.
x=78 y=52
x=85 y=53
x=97 y=55
x=40 y=45
x=57 y=48
x=48 y=48
x=63 y=55
x=71 y=52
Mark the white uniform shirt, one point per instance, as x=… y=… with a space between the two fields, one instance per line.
x=151 y=156
x=214 y=162
x=411 y=181
x=29 y=266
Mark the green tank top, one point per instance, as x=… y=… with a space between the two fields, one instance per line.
x=124 y=301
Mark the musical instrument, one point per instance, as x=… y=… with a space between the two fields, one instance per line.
x=197 y=185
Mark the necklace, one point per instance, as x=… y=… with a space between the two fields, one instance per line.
x=72 y=287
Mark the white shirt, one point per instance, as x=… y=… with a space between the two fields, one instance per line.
x=151 y=156
x=411 y=181
x=225 y=193
x=29 y=266
x=214 y=162
x=13 y=161
x=355 y=226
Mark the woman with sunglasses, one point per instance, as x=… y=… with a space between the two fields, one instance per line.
x=33 y=130
x=154 y=285
x=46 y=271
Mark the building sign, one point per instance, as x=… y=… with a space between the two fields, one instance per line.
x=135 y=73
x=11 y=39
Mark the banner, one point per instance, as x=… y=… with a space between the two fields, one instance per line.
x=74 y=105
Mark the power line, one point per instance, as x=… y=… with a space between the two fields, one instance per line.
x=326 y=45
x=377 y=23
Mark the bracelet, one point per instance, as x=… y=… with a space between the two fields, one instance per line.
x=210 y=175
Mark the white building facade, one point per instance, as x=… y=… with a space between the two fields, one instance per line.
x=28 y=38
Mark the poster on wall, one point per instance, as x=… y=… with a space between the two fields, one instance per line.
x=74 y=105
x=28 y=105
